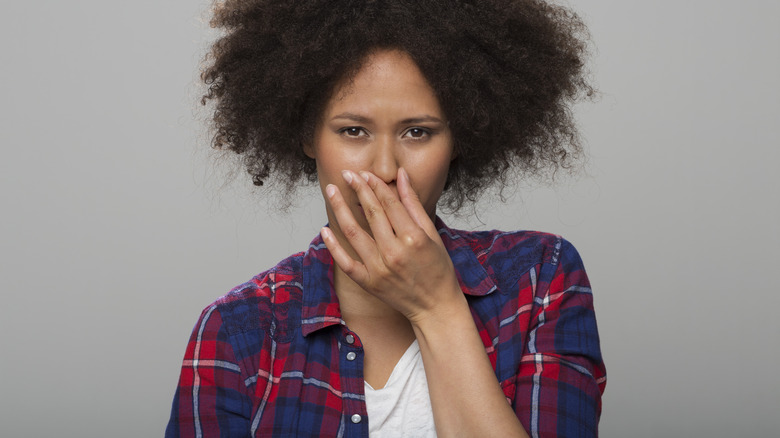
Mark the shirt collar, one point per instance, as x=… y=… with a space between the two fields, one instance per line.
x=321 y=305
x=473 y=278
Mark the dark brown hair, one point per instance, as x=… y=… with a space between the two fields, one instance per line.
x=505 y=72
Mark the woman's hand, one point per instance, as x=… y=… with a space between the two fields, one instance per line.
x=405 y=263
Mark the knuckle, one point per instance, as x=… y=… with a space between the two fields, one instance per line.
x=393 y=259
x=350 y=231
x=385 y=273
x=371 y=212
x=389 y=202
x=348 y=268
x=414 y=240
x=354 y=270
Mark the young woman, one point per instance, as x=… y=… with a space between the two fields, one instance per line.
x=391 y=323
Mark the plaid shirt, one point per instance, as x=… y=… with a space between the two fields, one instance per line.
x=274 y=358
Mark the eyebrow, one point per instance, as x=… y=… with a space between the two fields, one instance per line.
x=412 y=120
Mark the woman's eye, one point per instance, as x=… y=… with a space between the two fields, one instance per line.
x=417 y=133
x=353 y=131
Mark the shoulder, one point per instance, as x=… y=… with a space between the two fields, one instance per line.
x=515 y=258
x=259 y=302
x=523 y=248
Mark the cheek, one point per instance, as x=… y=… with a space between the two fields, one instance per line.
x=431 y=178
x=328 y=165
x=333 y=158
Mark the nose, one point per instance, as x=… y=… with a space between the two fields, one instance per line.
x=385 y=160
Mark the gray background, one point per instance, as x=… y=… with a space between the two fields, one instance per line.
x=117 y=228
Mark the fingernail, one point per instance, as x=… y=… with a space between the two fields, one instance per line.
x=347 y=176
x=364 y=175
x=325 y=233
x=330 y=190
x=404 y=175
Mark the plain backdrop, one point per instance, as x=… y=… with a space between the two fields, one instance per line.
x=117 y=227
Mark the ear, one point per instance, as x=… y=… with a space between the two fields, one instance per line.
x=308 y=149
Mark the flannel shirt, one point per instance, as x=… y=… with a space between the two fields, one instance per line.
x=274 y=358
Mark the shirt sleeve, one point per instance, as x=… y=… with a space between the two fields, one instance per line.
x=211 y=399
x=561 y=375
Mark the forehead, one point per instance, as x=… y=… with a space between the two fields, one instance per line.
x=387 y=78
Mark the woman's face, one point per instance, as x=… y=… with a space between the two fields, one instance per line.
x=387 y=117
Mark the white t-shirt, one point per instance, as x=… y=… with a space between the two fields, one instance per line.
x=403 y=407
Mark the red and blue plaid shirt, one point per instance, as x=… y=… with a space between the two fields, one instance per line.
x=274 y=358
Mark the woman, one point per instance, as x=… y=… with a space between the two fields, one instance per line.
x=391 y=323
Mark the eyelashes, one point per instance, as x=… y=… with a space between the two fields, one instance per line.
x=353 y=131
x=415 y=133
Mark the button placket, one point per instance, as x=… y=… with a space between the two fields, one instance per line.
x=353 y=407
x=350 y=339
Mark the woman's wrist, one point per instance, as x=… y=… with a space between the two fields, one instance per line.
x=449 y=312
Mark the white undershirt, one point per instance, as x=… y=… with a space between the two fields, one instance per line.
x=403 y=406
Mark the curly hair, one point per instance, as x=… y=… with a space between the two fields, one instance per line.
x=505 y=73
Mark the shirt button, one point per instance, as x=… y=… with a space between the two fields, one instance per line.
x=350 y=339
x=351 y=356
x=356 y=418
